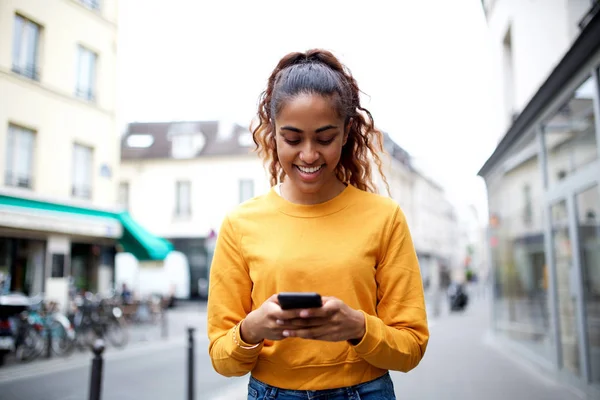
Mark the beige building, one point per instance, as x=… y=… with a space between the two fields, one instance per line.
x=59 y=145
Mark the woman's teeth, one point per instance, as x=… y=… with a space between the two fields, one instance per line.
x=309 y=170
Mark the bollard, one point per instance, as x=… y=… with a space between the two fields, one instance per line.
x=164 y=332
x=48 y=339
x=190 y=363
x=96 y=377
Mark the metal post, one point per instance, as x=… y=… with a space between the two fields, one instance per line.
x=96 y=377
x=48 y=338
x=164 y=331
x=190 y=363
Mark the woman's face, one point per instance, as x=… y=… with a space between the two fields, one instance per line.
x=309 y=136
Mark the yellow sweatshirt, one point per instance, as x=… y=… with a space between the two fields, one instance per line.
x=356 y=247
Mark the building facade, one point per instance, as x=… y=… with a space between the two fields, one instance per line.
x=195 y=172
x=181 y=178
x=543 y=183
x=59 y=152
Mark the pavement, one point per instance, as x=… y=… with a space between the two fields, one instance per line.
x=462 y=362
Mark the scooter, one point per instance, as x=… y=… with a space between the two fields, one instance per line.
x=457 y=297
x=11 y=306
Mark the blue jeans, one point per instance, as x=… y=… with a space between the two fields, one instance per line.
x=379 y=389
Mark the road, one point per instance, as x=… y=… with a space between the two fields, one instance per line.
x=462 y=362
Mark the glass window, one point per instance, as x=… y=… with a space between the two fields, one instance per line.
x=183 y=195
x=588 y=225
x=82 y=171
x=19 y=157
x=26 y=37
x=86 y=73
x=520 y=268
x=246 y=189
x=91 y=4
x=570 y=135
x=565 y=287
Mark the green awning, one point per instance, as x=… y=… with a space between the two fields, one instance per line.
x=134 y=238
x=141 y=243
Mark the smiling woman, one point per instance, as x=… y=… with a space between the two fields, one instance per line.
x=323 y=231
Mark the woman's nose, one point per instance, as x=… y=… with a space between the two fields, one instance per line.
x=309 y=155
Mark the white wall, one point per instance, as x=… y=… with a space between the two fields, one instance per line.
x=541 y=33
x=214 y=186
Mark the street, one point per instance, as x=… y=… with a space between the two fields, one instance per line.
x=461 y=363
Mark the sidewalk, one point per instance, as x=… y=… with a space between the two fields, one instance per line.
x=461 y=363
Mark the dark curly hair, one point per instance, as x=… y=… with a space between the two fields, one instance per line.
x=318 y=71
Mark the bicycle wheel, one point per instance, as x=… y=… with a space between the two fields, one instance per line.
x=116 y=333
x=62 y=344
x=32 y=346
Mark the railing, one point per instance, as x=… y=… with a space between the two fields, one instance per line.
x=86 y=94
x=16 y=180
x=83 y=192
x=28 y=71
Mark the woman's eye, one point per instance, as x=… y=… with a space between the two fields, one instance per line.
x=292 y=142
x=325 y=141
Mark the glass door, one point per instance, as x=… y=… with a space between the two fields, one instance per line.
x=587 y=202
x=566 y=287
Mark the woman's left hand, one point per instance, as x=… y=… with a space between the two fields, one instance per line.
x=335 y=321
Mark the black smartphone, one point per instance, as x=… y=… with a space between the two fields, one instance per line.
x=293 y=300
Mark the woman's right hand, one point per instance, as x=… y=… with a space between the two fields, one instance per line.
x=262 y=323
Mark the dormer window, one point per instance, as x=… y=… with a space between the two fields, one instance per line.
x=186 y=145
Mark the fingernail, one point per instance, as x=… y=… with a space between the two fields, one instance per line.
x=279 y=322
x=304 y=313
x=286 y=333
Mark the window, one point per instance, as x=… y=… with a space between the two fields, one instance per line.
x=183 y=199
x=246 y=189
x=570 y=135
x=509 y=77
x=183 y=146
x=123 y=195
x=86 y=73
x=91 y=4
x=528 y=205
x=522 y=311
x=19 y=157
x=82 y=172
x=26 y=38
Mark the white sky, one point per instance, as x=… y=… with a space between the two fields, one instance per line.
x=425 y=66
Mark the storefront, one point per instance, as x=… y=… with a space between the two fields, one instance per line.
x=44 y=242
x=543 y=184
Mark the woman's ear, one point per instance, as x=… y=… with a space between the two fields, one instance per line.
x=347 y=131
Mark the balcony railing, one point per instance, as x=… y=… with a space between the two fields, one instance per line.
x=16 y=180
x=28 y=71
x=81 y=191
x=86 y=94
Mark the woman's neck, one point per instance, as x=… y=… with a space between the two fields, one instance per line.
x=292 y=194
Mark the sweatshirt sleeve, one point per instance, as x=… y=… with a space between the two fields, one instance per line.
x=229 y=301
x=396 y=338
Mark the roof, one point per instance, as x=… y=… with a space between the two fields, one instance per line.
x=220 y=139
x=583 y=49
x=395 y=151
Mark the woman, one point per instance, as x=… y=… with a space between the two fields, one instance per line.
x=321 y=229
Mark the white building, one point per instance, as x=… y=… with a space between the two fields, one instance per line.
x=431 y=217
x=59 y=153
x=181 y=178
x=543 y=184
